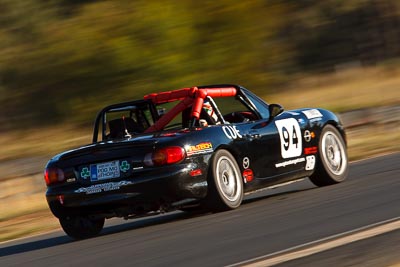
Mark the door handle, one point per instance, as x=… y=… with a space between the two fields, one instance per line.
x=253 y=135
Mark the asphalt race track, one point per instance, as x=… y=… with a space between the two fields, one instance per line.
x=268 y=222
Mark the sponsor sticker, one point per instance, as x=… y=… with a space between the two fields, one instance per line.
x=106 y=170
x=290 y=162
x=290 y=136
x=312 y=113
x=308 y=135
x=231 y=132
x=125 y=166
x=85 y=173
x=310 y=150
x=246 y=163
x=248 y=175
x=98 y=188
x=202 y=148
x=310 y=163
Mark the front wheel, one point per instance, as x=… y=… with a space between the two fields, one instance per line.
x=225 y=186
x=332 y=163
x=80 y=227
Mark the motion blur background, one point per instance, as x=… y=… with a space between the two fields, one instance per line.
x=62 y=60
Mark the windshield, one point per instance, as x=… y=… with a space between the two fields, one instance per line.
x=260 y=105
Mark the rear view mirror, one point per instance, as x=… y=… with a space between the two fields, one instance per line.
x=275 y=110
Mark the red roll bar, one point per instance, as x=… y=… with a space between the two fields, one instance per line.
x=189 y=96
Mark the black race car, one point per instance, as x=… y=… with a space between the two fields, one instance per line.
x=202 y=147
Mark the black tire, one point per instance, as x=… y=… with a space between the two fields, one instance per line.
x=225 y=186
x=332 y=165
x=80 y=227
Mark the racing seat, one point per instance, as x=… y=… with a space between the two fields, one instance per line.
x=118 y=127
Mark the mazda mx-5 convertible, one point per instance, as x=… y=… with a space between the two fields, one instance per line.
x=199 y=147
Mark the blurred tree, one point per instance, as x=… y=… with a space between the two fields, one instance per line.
x=63 y=67
x=331 y=33
x=63 y=60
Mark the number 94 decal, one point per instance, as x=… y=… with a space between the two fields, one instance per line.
x=290 y=135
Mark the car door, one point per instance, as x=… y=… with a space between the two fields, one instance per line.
x=274 y=145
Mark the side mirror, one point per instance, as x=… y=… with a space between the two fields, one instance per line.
x=275 y=110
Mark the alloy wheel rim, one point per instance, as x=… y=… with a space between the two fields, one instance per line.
x=228 y=179
x=333 y=153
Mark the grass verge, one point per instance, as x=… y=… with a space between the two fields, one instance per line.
x=342 y=91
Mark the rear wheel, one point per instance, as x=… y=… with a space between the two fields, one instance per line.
x=80 y=227
x=225 y=186
x=332 y=163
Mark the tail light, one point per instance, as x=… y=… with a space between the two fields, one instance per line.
x=53 y=175
x=165 y=156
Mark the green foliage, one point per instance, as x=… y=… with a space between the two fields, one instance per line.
x=329 y=34
x=61 y=61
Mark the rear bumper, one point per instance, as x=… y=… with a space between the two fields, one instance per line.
x=146 y=190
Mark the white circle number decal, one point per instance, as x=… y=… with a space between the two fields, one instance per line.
x=291 y=139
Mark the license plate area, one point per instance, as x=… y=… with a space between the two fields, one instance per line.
x=105 y=171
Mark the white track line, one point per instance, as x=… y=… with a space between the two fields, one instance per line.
x=322 y=244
